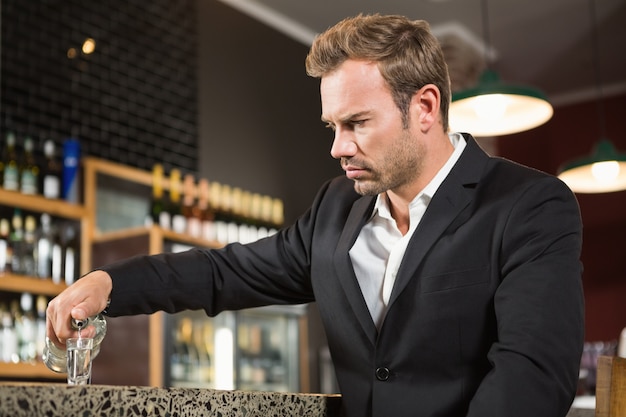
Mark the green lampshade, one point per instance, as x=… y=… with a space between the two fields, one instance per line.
x=603 y=171
x=493 y=108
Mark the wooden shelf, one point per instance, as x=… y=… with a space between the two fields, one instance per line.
x=22 y=283
x=41 y=204
x=24 y=370
x=158 y=232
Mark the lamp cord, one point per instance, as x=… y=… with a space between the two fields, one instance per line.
x=596 y=66
x=486 y=34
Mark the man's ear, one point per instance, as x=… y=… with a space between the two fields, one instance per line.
x=427 y=101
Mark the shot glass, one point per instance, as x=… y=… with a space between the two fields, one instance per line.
x=79 y=360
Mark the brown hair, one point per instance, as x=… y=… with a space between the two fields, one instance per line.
x=408 y=55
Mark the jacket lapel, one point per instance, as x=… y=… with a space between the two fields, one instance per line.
x=454 y=194
x=359 y=214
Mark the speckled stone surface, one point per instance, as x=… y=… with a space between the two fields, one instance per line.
x=52 y=400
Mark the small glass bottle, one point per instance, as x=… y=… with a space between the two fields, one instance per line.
x=56 y=358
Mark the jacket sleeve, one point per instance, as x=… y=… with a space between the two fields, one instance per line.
x=272 y=271
x=539 y=309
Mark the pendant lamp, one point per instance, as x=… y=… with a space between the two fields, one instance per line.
x=603 y=171
x=493 y=108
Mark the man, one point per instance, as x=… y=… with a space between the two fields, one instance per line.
x=449 y=282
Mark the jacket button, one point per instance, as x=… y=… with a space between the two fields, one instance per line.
x=382 y=374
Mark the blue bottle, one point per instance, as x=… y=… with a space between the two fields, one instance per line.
x=71 y=163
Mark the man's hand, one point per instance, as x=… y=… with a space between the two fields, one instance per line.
x=87 y=297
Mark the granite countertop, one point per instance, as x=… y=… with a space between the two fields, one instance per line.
x=61 y=400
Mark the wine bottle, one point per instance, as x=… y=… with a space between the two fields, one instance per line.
x=190 y=209
x=17 y=242
x=29 y=170
x=28 y=248
x=11 y=176
x=51 y=172
x=157 y=213
x=28 y=337
x=207 y=215
x=175 y=209
x=40 y=340
x=71 y=251
x=45 y=241
x=5 y=249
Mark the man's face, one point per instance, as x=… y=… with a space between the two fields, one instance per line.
x=374 y=149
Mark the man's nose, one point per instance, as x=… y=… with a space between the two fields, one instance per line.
x=343 y=145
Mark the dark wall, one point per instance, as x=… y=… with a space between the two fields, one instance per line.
x=570 y=135
x=259 y=113
x=132 y=101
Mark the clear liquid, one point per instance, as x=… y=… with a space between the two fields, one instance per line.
x=79 y=362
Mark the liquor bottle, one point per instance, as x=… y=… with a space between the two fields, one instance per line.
x=10 y=346
x=207 y=215
x=51 y=172
x=28 y=169
x=222 y=212
x=57 y=255
x=16 y=240
x=11 y=175
x=45 y=241
x=56 y=359
x=40 y=305
x=156 y=204
x=28 y=337
x=28 y=247
x=175 y=209
x=180 y=354
x=71 y=250
x=189 y=209
x=5 y=249
x=70 y=178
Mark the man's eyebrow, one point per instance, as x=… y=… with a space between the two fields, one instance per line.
x=348 y=117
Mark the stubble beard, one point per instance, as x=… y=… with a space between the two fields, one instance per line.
x=399 y=166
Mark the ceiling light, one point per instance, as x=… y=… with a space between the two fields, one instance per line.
x=493 y=108
x=603 y=171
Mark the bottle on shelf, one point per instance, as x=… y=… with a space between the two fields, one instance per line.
x=28 y=331
x=51 y=172
x=45 y=241
x=10 y=346
x=28 y=247
x=40 y=305
x=222 y=212
x=10 y=174
x=5 y=248
x=175 y=208
x=204 y=344
x=56 y=266
x=71 y=251
x=16 y=241
x=28 y=169
x=190 y=209
x=158 y=215
x=207 y=215
x=70 y=177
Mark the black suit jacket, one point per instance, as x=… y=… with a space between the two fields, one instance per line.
x=485 y=318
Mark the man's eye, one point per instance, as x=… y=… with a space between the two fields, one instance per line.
x=357 y=122
x=330 y=126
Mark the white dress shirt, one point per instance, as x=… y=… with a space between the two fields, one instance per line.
x=378 y=251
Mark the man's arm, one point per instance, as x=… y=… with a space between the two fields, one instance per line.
x=539 y=309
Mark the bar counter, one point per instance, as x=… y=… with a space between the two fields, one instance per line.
x=61 y=400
